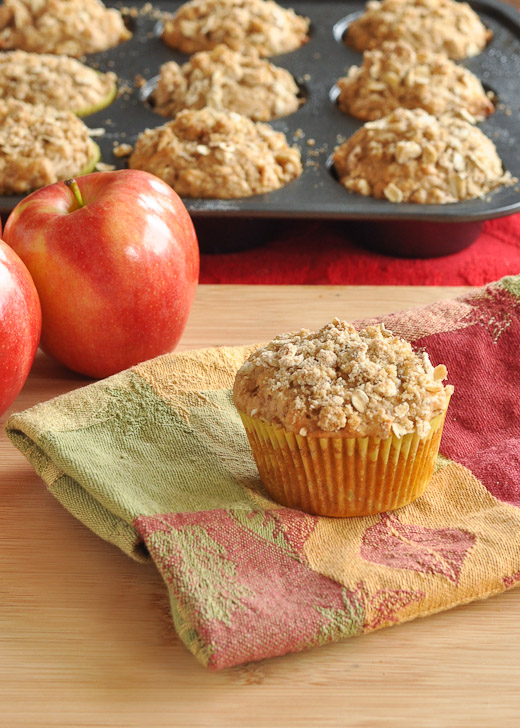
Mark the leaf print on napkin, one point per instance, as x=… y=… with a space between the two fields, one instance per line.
x=511 y=580
x=381 y=607
x=406 y=546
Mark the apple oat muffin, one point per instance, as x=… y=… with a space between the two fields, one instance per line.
x=58 y=81
x=396 y=75
x=200 y=25
x=40 y=145
x=342 y=422
x=434 y=25
x=412 y=156
x=209 y=153
x=68 y=27
x=229 y=81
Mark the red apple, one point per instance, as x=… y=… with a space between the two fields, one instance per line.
x=20 y=325
x=115 y=260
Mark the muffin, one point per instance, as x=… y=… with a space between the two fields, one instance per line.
x=58 y=81
x=210 y=153
x=396 y=75
x=40 y=145
x=411 y=156
x=432 y=25
x=228 y=81
x=200 y=25
x=341 y=422
x=68 y=27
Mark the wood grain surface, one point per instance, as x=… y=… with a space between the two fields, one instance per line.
x=86 y=637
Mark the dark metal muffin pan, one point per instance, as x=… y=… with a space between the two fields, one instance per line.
x=318 y=126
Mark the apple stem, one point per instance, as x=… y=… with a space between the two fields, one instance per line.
x=75 y=191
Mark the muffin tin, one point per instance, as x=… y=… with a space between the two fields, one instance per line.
x=318 y=126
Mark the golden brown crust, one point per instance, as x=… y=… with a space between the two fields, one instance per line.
x=436 y=25
x=343 y=382
x=40 y=145
x=396 y=75
x=411 y=156
x=200 y=25
x=68 y=27
x=226 y=80
x=210 y=153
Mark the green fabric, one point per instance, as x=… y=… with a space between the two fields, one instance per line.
x=135 y=457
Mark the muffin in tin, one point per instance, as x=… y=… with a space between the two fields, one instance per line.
x=432 y=25
x=412 y=156
x=210 y=153
x=40 y=145
x=200 y=25
x=59 y=81
x=68 y=27
x=226 y=80
x=342 y=422
x=396 y=75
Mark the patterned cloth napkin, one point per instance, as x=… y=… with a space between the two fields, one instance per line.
x=155 y=460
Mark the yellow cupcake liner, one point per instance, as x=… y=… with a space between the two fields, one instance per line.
x=343 y=476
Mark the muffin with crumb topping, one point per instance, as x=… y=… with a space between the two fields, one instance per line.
x=40 y=145
x=399 y=76
x=200 y=25
x=441 y=26
x=68 y=27
x=342 y=422
x=412 y=156
x=58 y=81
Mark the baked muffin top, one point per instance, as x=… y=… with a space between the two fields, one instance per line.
x=40 y=145
x=436 y=25
x=342 y=381
x=68 y=27
x=412 y=156
x=200 y=25
x=58 y=81
x=209 y=153
x=396 y=75
x=226 y=80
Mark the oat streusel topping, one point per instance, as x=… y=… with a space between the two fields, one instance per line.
x=435 y=25
x=210 y=153
x=40 y=145
x=68 y=27
x=339 y=380
x=58 y=81
x=411 y=156
x=396 y=75
x=229 y=81
x=200 y=25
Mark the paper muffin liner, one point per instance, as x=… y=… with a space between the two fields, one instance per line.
x=343 y=476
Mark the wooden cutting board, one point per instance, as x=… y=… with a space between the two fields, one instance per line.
x=86 y=637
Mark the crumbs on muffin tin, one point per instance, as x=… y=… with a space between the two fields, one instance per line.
x=340 y=380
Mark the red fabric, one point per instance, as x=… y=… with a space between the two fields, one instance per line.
x=319 y=253
x=483 y=429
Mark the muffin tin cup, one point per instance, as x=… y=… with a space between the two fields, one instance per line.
x=343 y=476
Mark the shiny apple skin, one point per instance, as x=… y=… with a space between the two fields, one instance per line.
x=20 y=325
x=116 y=277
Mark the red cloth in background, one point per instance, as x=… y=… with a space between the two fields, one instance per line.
x=318 y=253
